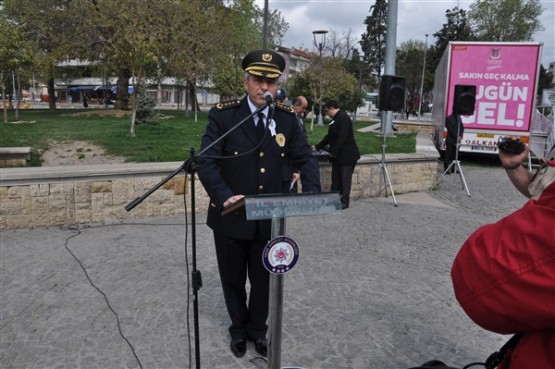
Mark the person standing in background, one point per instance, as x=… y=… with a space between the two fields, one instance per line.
x=280 y=96
x=344 y=152
x=299 y=106
x=455 y=130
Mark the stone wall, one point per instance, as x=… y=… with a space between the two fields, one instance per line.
x=97 y=194
x=414 y=127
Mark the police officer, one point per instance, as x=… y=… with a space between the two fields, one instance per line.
x=280 y=96
x=250 y=161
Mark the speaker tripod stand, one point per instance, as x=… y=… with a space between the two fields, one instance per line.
x=456 y=164
x=384 y=175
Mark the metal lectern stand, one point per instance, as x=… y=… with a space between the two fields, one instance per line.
x=277 y=208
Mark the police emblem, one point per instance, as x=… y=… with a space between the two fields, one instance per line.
x=267 y=57
x=280 y=255
x=280 y=139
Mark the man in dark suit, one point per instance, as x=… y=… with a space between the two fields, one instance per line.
x=250 y=161
x=343 y=150
x=299 y=105
x=455 y=130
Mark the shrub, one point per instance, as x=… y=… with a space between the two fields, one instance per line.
x=145 y=110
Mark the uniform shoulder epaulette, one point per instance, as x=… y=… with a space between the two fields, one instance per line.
x=227 y=104
x=285 y=108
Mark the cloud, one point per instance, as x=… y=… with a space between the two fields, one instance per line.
x=415 y=18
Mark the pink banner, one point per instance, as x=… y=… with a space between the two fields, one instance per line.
x=505 y=80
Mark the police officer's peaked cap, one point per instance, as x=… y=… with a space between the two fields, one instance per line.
x=280 y=94
x=264 y=63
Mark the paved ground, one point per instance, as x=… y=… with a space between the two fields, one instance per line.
x=372 y=288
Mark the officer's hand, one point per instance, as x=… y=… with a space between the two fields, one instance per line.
x=232 y=200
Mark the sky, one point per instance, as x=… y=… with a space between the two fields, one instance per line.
x=415 y=19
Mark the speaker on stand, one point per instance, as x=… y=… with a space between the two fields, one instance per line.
x=463 y=104
x=391 y=98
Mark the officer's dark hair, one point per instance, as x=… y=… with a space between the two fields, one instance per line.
x=331 y=104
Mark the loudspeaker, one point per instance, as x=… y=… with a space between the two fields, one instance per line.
x=465 y=99
x=392 y=93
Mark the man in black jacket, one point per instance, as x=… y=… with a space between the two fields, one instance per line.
x=343 y=150
x=250 y=161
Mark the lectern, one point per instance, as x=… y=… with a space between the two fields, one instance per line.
x=281 y=253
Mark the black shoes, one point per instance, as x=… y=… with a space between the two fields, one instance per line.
x=261 y=346
x=238 y=347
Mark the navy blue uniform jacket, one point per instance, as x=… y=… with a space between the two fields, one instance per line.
x=247 y=172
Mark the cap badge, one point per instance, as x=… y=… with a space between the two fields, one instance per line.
x=267 y=57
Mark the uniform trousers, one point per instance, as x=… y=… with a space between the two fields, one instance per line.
x=341 y=179
x=238 y=259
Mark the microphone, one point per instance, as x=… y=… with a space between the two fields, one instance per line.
x=269 y=98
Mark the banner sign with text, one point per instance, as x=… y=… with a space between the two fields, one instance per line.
x=505 y=80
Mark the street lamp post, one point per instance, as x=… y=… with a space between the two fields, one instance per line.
x=321 y=34
x=422 y=82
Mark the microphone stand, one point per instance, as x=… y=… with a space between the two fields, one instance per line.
x=190 y=166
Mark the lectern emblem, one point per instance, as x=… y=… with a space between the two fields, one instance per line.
x=280 y=255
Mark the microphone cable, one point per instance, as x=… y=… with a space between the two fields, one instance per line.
x=77 y=231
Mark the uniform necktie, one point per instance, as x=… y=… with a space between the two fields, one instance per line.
x=260 y=127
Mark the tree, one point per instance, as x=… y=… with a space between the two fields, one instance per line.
x=328 y=79
x=276 y=27
x=409 y=63
x=456 y=28
x=54 y=26
x=373 y=40
x=133 y=35
x=545 y=80
x=188 y=49
x=339 y=46
x=16 y=55
x=225 y=67
x=505 y=20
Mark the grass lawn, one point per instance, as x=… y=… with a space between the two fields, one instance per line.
x=170 y=140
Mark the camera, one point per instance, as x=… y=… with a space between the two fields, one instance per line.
x=510 y=146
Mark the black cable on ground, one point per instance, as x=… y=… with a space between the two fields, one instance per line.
x=77 y=233
x=188 y=302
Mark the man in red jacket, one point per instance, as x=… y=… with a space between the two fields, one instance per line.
x=504 y=274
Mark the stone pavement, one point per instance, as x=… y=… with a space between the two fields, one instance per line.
x=372 y=288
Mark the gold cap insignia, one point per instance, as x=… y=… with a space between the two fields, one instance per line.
x=280 y=139
x=267 y=57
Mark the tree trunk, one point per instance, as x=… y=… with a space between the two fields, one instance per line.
x=3 y=87
x=133 y=118
x=122 y=96
x=51 y=94
x=18 y=96
x=193 y=99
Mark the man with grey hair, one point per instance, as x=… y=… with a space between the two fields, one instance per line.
x=250 y=160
